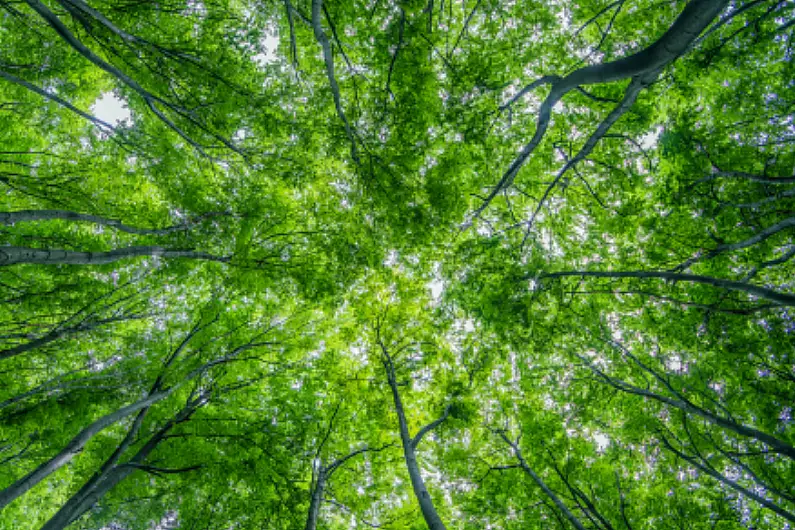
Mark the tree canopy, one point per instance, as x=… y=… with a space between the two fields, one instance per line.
x=474 y=264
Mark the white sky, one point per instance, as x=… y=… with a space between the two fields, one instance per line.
x=111 y=109
x=269 y=46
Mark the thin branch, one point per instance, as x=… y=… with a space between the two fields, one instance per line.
x=328 y=57
x=431 y=426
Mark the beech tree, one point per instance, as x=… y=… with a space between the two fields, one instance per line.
x=417 y=264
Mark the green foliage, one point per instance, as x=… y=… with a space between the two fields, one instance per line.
x=222 y=245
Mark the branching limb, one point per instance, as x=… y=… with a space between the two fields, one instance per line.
x=15 y=255
x=151 y=100
x=328 y=57
x=20 y=216
x=642 y=66
x=539 y=481
x=431 y=426
x=780 y=298
x=293 y=46
x=709 y=470
x=104 y=126
x=753 y=240
x=744 y=175
x=340 y=461
x=159 y=471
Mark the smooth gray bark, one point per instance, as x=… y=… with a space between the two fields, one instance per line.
x=321 y=480
x=58 y=333
x=152 y=101
x=761 y=292
x=74 y=447
x=111 y=474
x=643 y=67
x=774 y=443
x=316 y=501
x=709 y=470
x=328 y=58
x=52 y=97
x=15 y=255
x=760 y=236
x=427 y=508
x=155 y=395
x=541 y=484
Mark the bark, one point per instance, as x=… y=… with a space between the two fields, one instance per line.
x=155 y=395
x=324 y=475
x=630 y=95
x=71 y=5
x=590 y=510
x=112 y=474
x=427 y=508
x=541 y=484
x=52 y=97
x=328 y=57
x=431 y=426
x=753 y=240
x=44 y=215
x=14 y=255
x=709 y=470
x=152 y=101
x=74 y=447
x=293 y=47
x=746 y=176
x=779 y=446
x=57 y=384
x=317 y=500
x=761 y=292
x=59 y=333
x=643 y=66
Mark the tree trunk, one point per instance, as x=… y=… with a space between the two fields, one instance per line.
x=111 y=474
x=429 y=513
x=779 y=446
x=14 y=255
x=317 y=500
x=541 y=484
x=74 y=447
x=761 y=292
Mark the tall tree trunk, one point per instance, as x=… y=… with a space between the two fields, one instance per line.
x=317 y=500
x=761 y=292
x=74 y=447
x=543 y=485
x=111 y=474
x=774 y=443
x=14 y=255
x=429 y=513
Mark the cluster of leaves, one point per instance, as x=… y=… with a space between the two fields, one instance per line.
x=309 y=282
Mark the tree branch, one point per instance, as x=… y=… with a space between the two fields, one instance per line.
x=431 y=426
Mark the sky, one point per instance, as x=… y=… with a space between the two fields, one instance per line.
x=110 y=108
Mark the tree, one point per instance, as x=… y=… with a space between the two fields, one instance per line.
x=423 y=264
